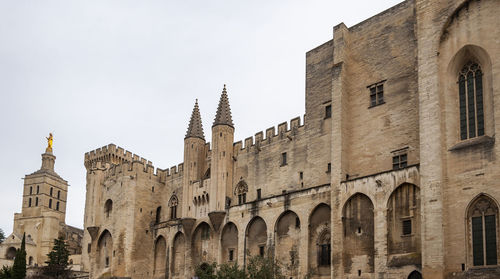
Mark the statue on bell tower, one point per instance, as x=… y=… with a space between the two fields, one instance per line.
x=50 y=140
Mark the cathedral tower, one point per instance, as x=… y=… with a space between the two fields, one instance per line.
x=222 y=159
x=194 y=157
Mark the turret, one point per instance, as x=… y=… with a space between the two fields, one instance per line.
x=194 y=159
x=222 y=159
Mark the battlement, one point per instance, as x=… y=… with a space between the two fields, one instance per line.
x=283 y=131
x=113 y=155
x=116 y=161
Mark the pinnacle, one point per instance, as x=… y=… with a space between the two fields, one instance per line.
x=195 y=128
x=223 y=115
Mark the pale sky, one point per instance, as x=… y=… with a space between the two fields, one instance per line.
x=128 y=72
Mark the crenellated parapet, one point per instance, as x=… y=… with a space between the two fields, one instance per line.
x=116 y=161
x=113 y=155
x=272 y=135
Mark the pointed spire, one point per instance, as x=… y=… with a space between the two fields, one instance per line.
x=223 y=115
x=195 y=128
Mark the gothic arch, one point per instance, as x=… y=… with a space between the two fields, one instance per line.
x=358 y=234
x=415 y=275
x=256 y=237
x=105 y=250
x=319 y=246
x=201 y=244
x=482 y=231
x=403 y=221
x=287 y=242
x=178 y=256
x=229 y=243
x=160 y=257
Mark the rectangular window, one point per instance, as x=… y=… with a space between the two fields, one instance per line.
x=58 y=195
x=107 y=261
x=490 y=237
x=57 y=206
x=329 y=167
x=261 y=250
x=301 y=175
x=244 y=197
x=477 y=240
x=89 y=248
x=259 y=196
x=376 y=94
x=399 y=161
x=29 y=203
x=50 y=203
x=328 y=111
x=324 y=256
x=406 y=227
x=283 y=158
x=231 y=255
x=36 y=201
x=37 y=189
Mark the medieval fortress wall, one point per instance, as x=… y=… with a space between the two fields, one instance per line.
x=375 y=181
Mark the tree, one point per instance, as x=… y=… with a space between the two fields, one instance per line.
x=2 y=235
x=264 y=268
x=19 y=267
x=206 y=271
x=57 y=265
x=230 y=271
x=6 y=272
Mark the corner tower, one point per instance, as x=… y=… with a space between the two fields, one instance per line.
x=222 y=160
x=194 y=157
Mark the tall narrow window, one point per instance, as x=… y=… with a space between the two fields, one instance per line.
x=31 y=190
x=483 y=230
x=58 y=195
x=57 y=206
x=173 y=206
x=241 y=191
x=283 y=158
x=29 y=202
x=50 y=203
x=38 y=189
x=51 y=190
x=470 y=91
x=259 y=194
x=328 y=111
x=36 y=201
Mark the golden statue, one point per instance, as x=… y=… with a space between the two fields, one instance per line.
x=50 y=139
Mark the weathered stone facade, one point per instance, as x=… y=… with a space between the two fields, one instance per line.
x=393 y=172
x=42 y=218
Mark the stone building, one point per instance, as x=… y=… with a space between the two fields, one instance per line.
x=392 y=173
x=42 y=218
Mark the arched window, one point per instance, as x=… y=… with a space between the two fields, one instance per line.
x=470 y=90
x=30 y=261
x=324 y=249
x=108 y=207
x=57 y=206
x=483 y=229
x=241 y=191
x=158 y=214
x=11 y=253
x=36 y=201
x=173 y=206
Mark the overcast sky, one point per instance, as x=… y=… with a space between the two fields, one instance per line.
x=128 y=72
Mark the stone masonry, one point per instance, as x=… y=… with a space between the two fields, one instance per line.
x=391 y=173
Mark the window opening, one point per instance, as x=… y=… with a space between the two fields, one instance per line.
x=328 y=111
x=377 y=94
x=283 y=159
x=470 y=91
x=399 y=161
x=406 y=227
